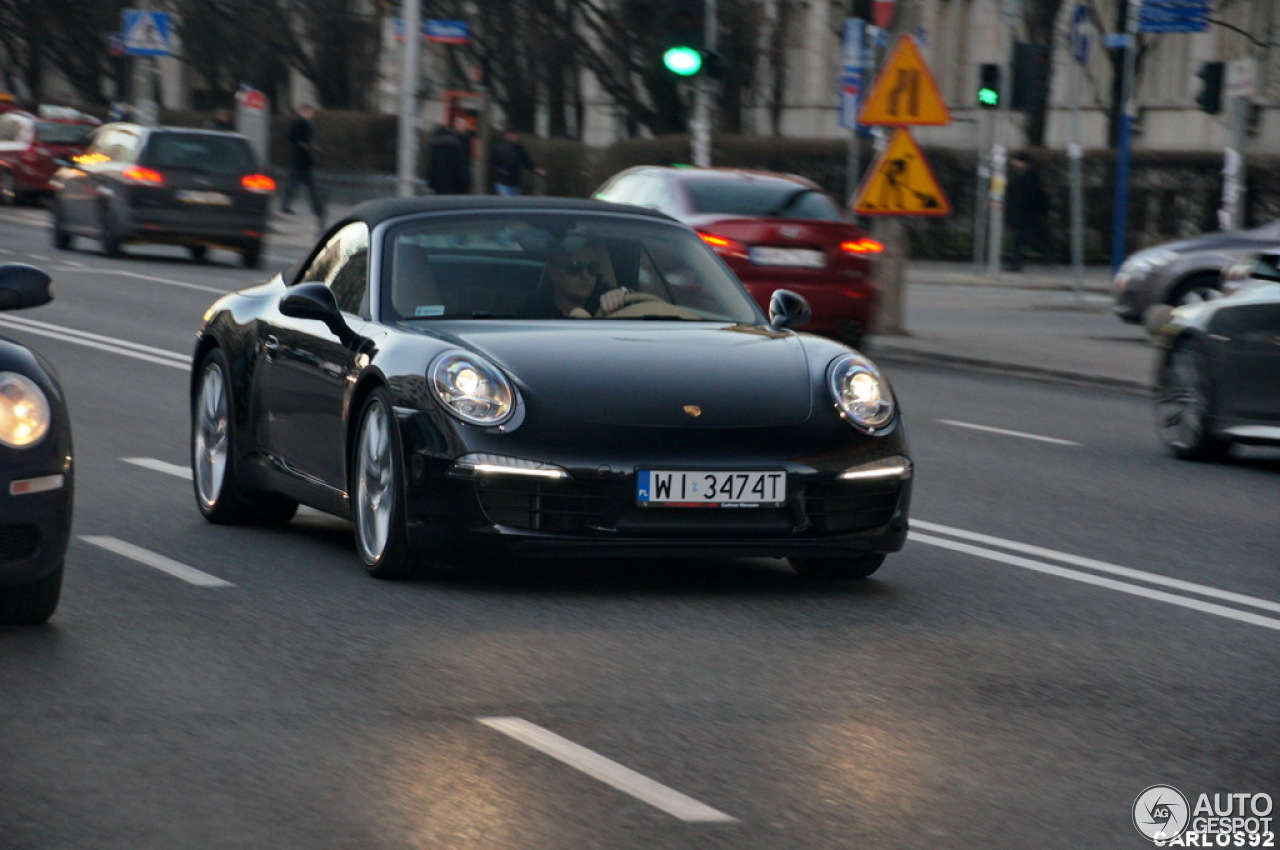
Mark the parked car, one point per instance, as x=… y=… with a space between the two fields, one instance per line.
x=171 y=185
x=1219 y=372
x=35 y=463
x=418 y=374
x=1186 y=271
x=31 y=144
x=774 y=230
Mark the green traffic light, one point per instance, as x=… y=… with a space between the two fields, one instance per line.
x=683 y=61
x=988 y=97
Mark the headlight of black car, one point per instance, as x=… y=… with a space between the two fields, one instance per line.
x=24 y=411
x=861 y=395
x=472 y=388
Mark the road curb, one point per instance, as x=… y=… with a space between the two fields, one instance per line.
x=895 y=354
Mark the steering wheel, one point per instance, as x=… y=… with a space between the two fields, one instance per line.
x=629 y=300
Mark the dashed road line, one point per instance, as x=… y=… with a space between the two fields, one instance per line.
x=1007 y=433
x=152 y=559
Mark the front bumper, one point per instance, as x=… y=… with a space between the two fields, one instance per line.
x=34 y=527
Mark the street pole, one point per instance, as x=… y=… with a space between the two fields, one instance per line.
x=406 y=171
x=1075 y=154
x=700 y=126
x=999 y=150
x=1120 y=222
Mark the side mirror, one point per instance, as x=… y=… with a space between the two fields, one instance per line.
x=788 y=309
x=315 y=302
x=1267 y=267
x=23 y=286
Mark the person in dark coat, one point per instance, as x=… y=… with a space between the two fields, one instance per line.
x=508 y=160
x=1026 y=206
x=302 y=152
x=449 y=159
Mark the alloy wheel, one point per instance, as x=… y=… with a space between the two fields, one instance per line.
x=375 y=494
x=212 y=424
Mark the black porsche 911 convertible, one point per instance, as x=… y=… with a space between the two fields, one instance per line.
x=542 y=377
x=35 y=464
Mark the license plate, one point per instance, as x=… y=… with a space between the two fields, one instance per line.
x=196 y=196
x=718 y=489
x=802 y=257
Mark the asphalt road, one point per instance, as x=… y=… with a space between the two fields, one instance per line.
x=1076 y=617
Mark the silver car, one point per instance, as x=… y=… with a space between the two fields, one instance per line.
x=1186 y=271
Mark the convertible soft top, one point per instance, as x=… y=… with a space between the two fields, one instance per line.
x=376 y=211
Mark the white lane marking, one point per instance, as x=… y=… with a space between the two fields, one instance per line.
x=1101 y=566
x=103 y=343
x=1099 y=581
x=159 y=562
x=607 y=771
x=160 y=466
x=147 y=277
x=1020 y=434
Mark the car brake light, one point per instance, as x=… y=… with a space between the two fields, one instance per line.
x=861 y=246
x=260 y=183
x=723 y=245
x=138 y=174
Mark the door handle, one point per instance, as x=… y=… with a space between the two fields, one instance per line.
x=270 y=346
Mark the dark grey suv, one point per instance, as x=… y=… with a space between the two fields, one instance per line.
x=172 y=185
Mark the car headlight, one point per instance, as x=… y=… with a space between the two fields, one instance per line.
x=472 y=388
x=1144 y=261
x=24 y=411
x=861 y=395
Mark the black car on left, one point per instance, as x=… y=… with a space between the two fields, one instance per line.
x=35 y=464
x=164 y=185
x=542 y=377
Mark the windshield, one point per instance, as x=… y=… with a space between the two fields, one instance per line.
x=212 y=154
x=552 y=266
x=58 y=133
x=761 y=199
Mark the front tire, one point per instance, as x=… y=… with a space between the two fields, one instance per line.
x=213 y=458
x=378 y=494
x=33 y=602
x=844 y=569
x=8 y=190
x=251 y=256
x=1184 y=405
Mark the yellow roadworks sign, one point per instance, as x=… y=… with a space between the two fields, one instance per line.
x=904 y=92
x=900 y=182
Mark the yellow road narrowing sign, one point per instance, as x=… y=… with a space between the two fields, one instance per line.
x=904 y=92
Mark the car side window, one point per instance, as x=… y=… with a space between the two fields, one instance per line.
x=343 y=265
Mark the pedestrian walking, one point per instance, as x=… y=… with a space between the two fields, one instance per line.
x=1026 y=207
x=449 y=159
x=508 y=160
x=302 y=156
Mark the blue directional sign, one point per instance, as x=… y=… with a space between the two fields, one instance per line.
x=1173 y=16
x=1080 y=22
x=146 y=33
x=851 y=65
x=448 y=32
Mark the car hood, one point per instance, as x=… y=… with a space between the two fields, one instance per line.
x=638 y=374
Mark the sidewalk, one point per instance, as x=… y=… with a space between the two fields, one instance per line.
x=1033 y=323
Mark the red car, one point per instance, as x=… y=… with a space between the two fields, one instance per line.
x=29 y=144
x=776 y=231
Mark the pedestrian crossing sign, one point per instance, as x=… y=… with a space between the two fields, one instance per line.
x=146 y=33
x=900 y=182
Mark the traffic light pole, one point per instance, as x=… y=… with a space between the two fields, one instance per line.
x=999 y=149
x=1120 y=216
x=700 y=126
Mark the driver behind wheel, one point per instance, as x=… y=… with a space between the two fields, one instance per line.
x=577 y=281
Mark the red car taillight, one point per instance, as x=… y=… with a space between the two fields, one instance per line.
x=724 y=246
x=861 y=246
x=138 y=174
x=259 y=183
